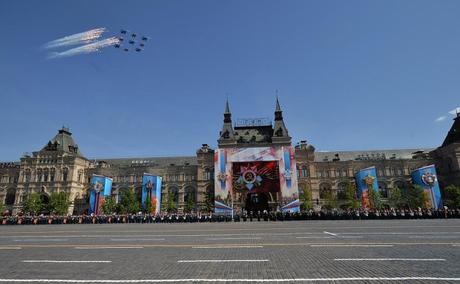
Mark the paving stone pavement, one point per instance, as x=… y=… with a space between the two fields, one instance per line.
x=373 y=251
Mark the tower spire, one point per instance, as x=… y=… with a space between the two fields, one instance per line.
x=226 y=135
x=280 y=132
x=227 y=107
x=278 y=111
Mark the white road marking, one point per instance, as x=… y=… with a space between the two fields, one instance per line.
x=225 y=247
x=108 y=247
x=204 y=280
x=312 y=237
x=127 y=240
x=350 y=237
x=222 y=260
x=10 y=248
x=364 y=246
x=329 y=233
x=66 y=261
x=217 y=239
x=398 y=233
x=162 y=235
x=42 y=240
x=389 y=259
x=434 y=237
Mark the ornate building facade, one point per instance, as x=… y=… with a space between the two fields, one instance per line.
x=60 y=167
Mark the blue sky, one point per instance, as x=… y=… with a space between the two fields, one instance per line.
x=351 y=75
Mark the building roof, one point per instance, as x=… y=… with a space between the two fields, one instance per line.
x=453 y=136
x=63 y=141
x=397 y=154
x=152 y=161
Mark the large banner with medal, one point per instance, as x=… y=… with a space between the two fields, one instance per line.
x=366 y=179
x=426 y=178
x=151 y=190
x=101 y=187
x=268 y=170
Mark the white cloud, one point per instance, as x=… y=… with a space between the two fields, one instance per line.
x=441 y=118
x=455 y=111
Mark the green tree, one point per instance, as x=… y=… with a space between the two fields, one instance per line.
x=109 y=205
x=170 y=204
x=164 y=202
x=331 y=200
x=375 y=199
x=208 y=202
x=59 y=203
x=306 y=199
x=33 y=204
x=149 y=207
x=351 y=196
x=416 y=197
x=190 y=205
x=452 y=198
x=129 y=203
x=395 y=198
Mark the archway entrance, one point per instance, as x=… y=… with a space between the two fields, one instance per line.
x=256 y=202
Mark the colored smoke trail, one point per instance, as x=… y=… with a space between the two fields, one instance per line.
x=89 y=48
x=80 y=38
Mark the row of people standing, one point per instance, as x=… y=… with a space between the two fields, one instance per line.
x=247 y=217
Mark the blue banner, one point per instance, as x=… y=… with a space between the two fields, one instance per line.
x=427 y=178
x=151 y=189
x=101 y=187
x=366 y=179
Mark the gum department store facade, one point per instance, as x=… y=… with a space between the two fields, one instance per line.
x=60 y=166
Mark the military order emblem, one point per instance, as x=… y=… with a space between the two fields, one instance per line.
x=428 y=178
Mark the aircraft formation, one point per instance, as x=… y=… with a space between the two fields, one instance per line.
x=92 y=41
x=133 y=44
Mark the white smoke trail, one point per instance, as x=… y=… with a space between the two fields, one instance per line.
x=80 y=38
x=89 y=48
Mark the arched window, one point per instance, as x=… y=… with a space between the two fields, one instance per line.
x=341 y=190
x=324 y=189
x=45 y=175
x=65 y=174
x=207 y=174
x=27 y=175
x=173 y=194
x=10 y=196
x=401 y=185
x=190 y=194
x=80 y=175
x=52 y=174
x=39 y=175
x=138 y=193
x=190 y=199
x=383 y=189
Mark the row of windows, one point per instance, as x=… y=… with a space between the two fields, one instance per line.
x=8 y=179
x=325 y=173
x=136 y=178
x=46 y=175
